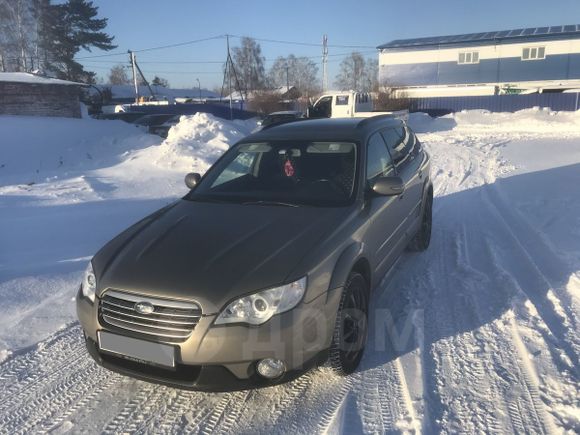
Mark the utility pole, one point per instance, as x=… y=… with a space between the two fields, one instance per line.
x=287 y=81
x=135 y=83
x=324 y=63
x=136 y=70
x=229 y=68
x=228 y=71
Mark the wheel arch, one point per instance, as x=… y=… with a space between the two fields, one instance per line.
x=351 y=259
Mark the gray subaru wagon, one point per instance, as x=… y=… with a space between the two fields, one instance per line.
x=265 y=268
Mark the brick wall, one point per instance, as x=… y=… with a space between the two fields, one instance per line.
x=39 y=100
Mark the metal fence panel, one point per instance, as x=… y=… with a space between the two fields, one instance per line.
x=496 y=103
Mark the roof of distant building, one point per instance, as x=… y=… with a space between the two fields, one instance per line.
x=22 y=77
x=553 y=32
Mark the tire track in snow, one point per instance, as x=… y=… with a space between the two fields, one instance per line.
x=139 y=410
x=483 y=352
x=460 y=386
x=560 y=318
x=231 y=418
x=384 y=401
x=67 y=406
x=225 y=419
x=331 y=413
x=21 y=374
x=173 y=417
x=284 y=398
x=520 y=392
x=383 y=395
x=194 y=423
x=50 y=399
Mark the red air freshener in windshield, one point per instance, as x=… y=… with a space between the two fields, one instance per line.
x=288 y=168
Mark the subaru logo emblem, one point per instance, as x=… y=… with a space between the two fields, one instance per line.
x=144 y=308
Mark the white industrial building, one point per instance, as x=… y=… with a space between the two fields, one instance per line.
x=511 y=61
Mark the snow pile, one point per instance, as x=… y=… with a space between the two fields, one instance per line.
x=35 y=148
x=524 y=121
x=199 y=140
x=481 y=121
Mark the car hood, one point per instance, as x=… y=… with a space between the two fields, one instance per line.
x=212 y=253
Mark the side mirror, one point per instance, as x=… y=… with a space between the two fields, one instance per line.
x=192 y=179
x=388 y=186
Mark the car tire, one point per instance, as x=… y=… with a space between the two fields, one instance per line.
x=422 y=239
x=351 y=327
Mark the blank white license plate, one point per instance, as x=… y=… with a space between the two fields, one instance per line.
x=137 y=350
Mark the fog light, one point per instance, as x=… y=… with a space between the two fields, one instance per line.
x=271 y=368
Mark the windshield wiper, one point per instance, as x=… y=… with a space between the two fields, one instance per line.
x=264 y=202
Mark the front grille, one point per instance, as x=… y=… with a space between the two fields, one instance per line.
x=171 y=321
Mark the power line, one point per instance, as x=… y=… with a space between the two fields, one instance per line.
x=184 y=62
x=180 y=44
x=161 y=47
x=164 y=61
x=195 y=41
x=307 y=44
x=104 y=68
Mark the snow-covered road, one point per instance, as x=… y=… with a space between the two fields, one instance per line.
x=478 y=334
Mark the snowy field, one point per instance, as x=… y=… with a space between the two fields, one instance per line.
x=478 y=334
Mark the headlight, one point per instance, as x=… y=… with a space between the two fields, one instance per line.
x=260 y=307
x=89 y=285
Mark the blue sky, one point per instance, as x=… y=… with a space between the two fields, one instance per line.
x=140 y=24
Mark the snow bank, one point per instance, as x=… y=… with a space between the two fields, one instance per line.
x=35 y=148
x=524 y=121
x=199 y=140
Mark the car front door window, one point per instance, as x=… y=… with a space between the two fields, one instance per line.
x=379 y=163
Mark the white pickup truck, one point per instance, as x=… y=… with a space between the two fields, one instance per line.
x=348 y=104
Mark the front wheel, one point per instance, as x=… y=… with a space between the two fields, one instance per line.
x=350 y=333
x=422 y=239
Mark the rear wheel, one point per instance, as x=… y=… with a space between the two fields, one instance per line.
x=422 y=239
x=350 y=332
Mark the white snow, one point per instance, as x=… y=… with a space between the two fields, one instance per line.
x=21 y=77
x=478 y=334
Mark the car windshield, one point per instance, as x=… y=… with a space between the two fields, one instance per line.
x=284 y=173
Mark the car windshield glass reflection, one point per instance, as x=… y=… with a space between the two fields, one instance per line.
x=287 y=173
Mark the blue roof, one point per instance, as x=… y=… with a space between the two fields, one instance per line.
x=556 y=32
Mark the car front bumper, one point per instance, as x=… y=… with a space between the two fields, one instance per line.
x=214 y=378
x=224 y=357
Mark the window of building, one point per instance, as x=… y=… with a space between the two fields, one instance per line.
x=468 y=57
x=362 y=98
x=534 y=53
